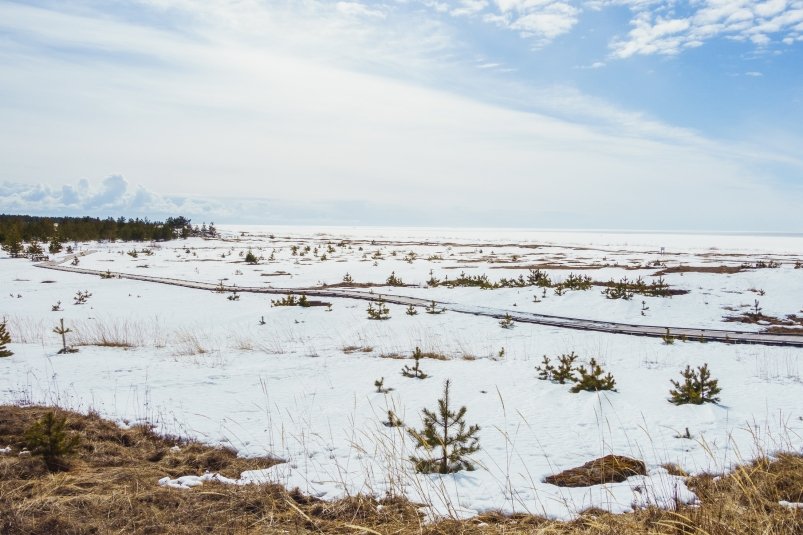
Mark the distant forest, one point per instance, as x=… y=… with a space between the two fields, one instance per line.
x=24 y=228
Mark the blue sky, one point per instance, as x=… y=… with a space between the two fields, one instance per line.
x=635 y=114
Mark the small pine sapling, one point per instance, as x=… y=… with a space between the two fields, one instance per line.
x=564 y=373
x=378 y=312
x=393 y=280
x=251 y=258
x=411 y=311
x=49 y=439
x=303 y=301
x=234 y=296
x=56 y=307
x=507 y=322
x=393 y=420
x=5 y=338
x=432 y=308
x=286 y=301
x=75 y=261
x=380 y=386
x=545 y=370
x=81 y=297
x=63 y=331
x=592 y=379
x=668 y=338
x=348 y=279
x=697 y=387
x=415 y=372
x=446 y=435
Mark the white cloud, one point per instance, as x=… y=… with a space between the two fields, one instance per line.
x=653 y=32
x=247 y=108
x=468 y=7
x=539 y=20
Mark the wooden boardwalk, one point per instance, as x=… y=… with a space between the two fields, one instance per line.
x=655 y=331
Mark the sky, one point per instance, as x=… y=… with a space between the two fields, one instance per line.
x=595 y=114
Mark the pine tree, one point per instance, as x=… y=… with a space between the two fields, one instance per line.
x=393 y=420
x=507 y=322
x=697 y=387
x=251 y=258
x=55 y=245
x=34 y=248
x=592 y=379
x=393 y=280
x=378 y=312
x=81 y=297
x=415 y=372
x=411 y=311
x=49 y=439
x=668 y=338
x=5 y=338
x=545 y=370
x=432 y=308
x=446 y=434
x=380 y=386
x=561 y=374
x=60 y=329
x=564 y=373
x=12 y=243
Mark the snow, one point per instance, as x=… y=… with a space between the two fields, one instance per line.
x=201 y=366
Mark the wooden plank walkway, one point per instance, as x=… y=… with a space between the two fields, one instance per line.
x=655 y=331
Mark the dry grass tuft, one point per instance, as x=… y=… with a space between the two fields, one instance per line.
x=111 y=488
x=608 y=469
x=348 y=350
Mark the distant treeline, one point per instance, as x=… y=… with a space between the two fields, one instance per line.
x=25 y=228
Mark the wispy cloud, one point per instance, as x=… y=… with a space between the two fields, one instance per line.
x=314 y=105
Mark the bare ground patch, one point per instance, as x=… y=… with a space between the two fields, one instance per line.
x=700 y=269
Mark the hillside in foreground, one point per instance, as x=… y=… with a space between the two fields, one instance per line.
x=111 y=486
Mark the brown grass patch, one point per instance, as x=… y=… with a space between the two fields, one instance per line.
x=568 y=265
x=608 y=469
x=111 y=488
x=791 y=324
x=700 y=269
x=348 y=350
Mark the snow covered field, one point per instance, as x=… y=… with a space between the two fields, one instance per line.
x=300 y=387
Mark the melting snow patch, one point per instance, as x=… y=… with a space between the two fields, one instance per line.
x=5 y=451
x=187 y=482
x=791 y=505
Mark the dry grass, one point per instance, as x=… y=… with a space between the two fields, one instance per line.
x=188 y=344
x=348 y=350
x=700 y=269
x=111 y=488
x=608 y=469
x=108 y=334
